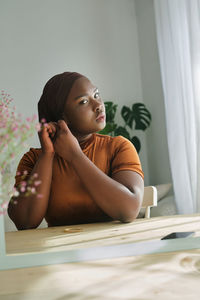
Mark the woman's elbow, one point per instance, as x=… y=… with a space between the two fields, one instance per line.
x=127 y=218
x=130 y=213
x=19 y=222
x=25 y=226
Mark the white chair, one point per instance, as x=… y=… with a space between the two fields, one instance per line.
x=149 y=199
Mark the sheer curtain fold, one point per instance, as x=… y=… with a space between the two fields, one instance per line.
x=178 y=37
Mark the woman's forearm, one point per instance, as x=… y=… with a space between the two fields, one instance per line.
x=28 y=211
x=120 y=197
x=115 y=199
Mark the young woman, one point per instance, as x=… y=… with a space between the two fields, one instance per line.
x=85 y=176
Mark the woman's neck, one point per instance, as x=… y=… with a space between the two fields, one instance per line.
x=82 y=138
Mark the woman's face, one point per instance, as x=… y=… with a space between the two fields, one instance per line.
x=84 y=110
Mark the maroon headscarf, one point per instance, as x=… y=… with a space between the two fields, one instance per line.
x=52 y=102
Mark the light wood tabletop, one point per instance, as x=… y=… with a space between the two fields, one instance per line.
x=171 y=275
x=99 y=234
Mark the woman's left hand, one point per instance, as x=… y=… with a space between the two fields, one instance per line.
x=66 y=145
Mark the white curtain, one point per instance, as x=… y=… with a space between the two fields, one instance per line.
x=178 y=36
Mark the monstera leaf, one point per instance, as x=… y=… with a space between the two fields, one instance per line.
x=134 y=140
x=136 y=143
x=122 y=131
x=138 y=114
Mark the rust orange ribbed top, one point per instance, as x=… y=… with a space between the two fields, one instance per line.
x=69 y=201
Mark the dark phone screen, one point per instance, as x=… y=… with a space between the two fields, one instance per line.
x=175 y=235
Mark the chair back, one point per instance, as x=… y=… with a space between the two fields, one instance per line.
x=149 y=199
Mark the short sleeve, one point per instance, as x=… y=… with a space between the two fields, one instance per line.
x=125 y=157
x=26 y=165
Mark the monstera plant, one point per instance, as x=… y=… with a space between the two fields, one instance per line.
x=137 y=117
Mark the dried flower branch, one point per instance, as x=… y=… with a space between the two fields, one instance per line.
x=14 y=133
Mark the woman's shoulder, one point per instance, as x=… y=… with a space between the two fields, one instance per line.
x=32 y=154
x=113 y=140
x=115 y=145
x=35 y=151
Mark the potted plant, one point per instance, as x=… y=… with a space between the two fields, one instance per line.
x=137 y=117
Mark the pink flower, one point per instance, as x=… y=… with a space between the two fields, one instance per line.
x=4 y=205
x=33 y=190
x=38 y=127
x=22 y=189
x=16 y=193
x=37 y=182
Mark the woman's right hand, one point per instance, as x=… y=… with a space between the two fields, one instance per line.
x=46 y=136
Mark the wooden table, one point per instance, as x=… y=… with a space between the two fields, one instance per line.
x=172 y=275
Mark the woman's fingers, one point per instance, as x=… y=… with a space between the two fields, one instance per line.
x=48 y=130
x=63 y=125
x=46 y=136
x=51 y=128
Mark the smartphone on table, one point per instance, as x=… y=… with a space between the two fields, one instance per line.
x=176 y=235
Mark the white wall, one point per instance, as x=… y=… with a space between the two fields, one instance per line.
x=156 y=139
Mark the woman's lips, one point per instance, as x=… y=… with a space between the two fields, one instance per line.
x=100 y=118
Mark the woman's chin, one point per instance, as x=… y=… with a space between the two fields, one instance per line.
x=101 y=126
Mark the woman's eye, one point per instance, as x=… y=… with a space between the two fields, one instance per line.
x=84 y=101
x=96 y=95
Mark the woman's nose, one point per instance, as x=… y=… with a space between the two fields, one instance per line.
x=98 y=106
